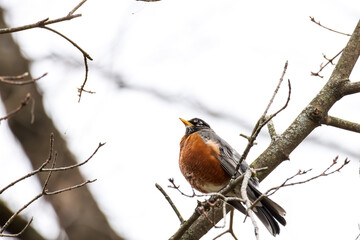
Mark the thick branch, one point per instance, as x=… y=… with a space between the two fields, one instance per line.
x=351 y=88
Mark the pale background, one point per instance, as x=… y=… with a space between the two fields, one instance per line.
x=228 y=55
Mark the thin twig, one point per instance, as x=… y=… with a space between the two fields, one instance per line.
x=22 y=105
x=41 y=23
x=81 y=89
x=75 y=165
x=171 y=180
x=18 y=80
x=230 y=229
x=325 y=173
x=318 y=23
x=49 y=174
x=44 y=191
x=263 y=121
x=11 y=219
x=317 y=74
x=76 y=7
x=15 y=235
x=70 y=41
x=170 y=202
x=243 y=189
x=51 y=149
x=45 y=21
x=70 y=188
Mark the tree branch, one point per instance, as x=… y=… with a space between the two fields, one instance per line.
x=318 y=23
x=351 y=88
x=171 y=203
x=250 y=213
x=40 y=23
x=21 y=106
x=18 y=80
x=341 y=123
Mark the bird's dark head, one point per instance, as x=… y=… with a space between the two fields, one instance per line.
x=194 y=125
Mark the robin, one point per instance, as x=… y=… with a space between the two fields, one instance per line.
x=208 y=162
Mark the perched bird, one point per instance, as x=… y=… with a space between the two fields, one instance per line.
x=208 y=162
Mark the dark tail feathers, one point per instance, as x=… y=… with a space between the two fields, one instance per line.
x=269 y=212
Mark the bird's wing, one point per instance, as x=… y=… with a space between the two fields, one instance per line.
x=228 y=156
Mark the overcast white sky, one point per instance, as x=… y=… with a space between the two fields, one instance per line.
x=228 y=55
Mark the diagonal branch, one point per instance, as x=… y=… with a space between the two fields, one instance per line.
x=330 y=29
x=171 y=203
x=21 y=106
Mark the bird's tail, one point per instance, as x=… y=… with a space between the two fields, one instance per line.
x=269 y=212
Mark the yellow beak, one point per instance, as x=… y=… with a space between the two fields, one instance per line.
x=186 y=123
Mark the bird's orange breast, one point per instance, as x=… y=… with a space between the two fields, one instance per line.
x=200 y=165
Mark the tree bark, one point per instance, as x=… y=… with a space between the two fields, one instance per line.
x=77 y=211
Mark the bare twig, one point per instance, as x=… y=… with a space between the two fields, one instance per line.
x=75 y=165
x=230 y=229
x=263 y=120
x=41 y=23
x=317 y=74
x=325 y=173
x=171 y=180
x=318 y=23
x=250 y=213
x=81 y=89
x=45 y=21
x=44 y=191
x=51 y=149
x=76 y=7
x=70 y=41
x=22 y=105
x=69 y=188
x=18 y=80
x=19 y=233
x=171 y=203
